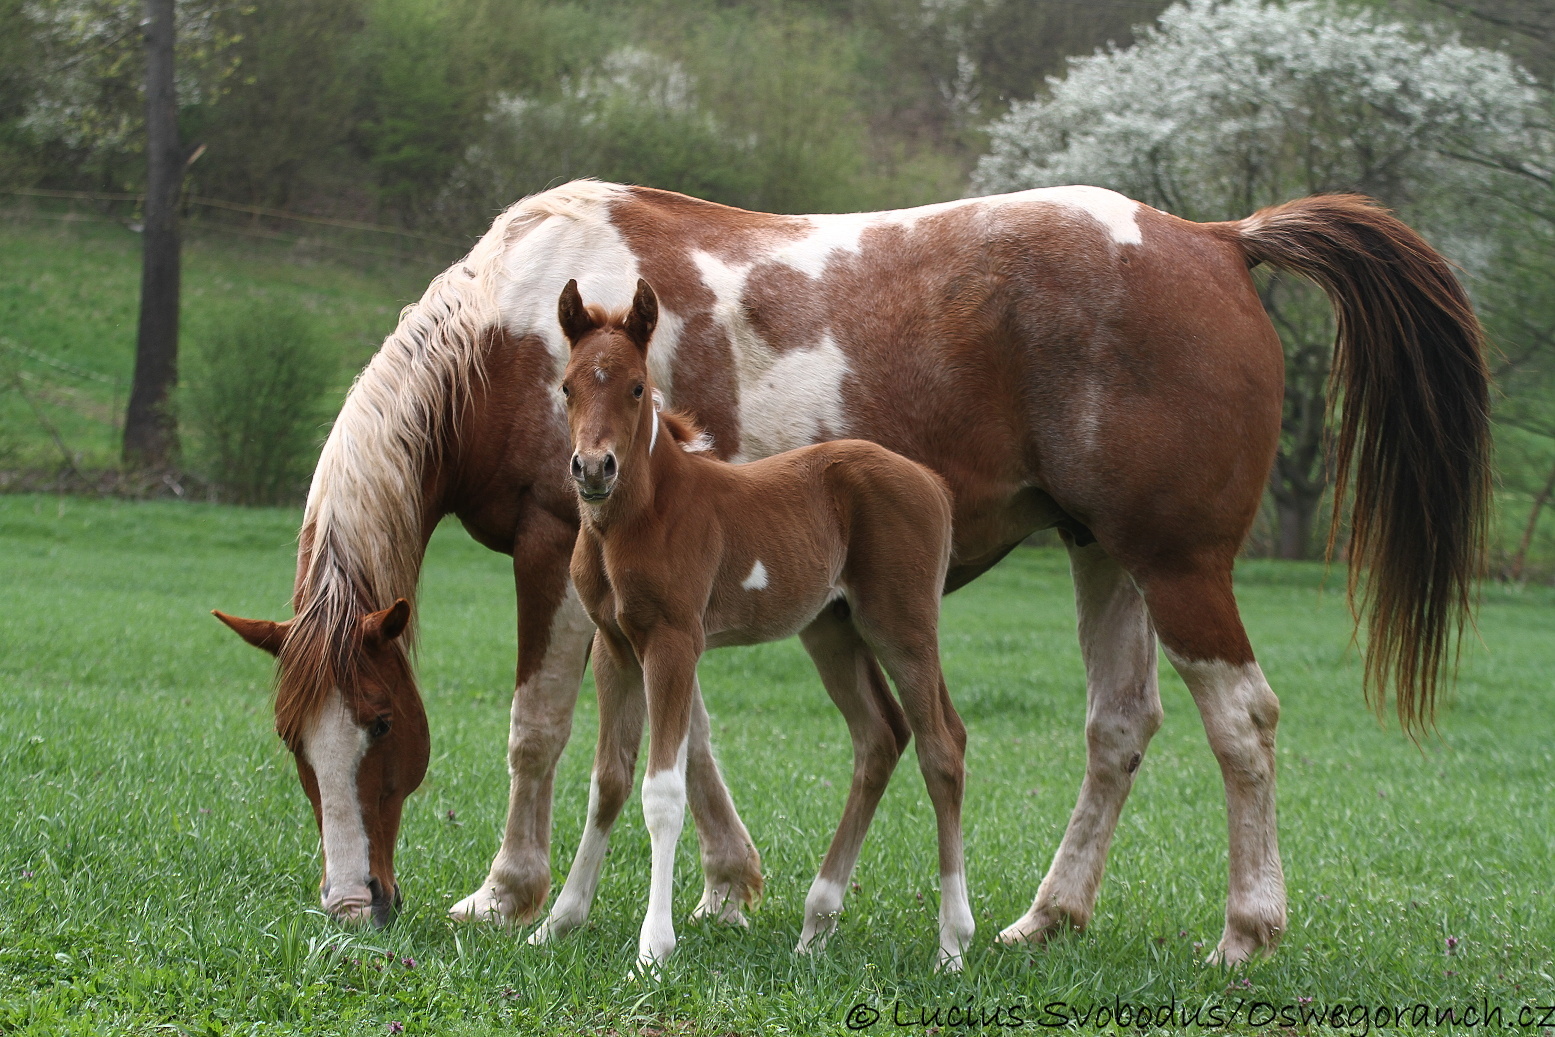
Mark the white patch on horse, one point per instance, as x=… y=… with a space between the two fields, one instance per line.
x=334 y=745
x=601 y=375
x=572 y=236
x=789 y=398
x=757 y=580
x=843 y=232
x=1117 y=213
x=822 y=906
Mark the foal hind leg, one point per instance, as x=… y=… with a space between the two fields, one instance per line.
x=1123 y=711
x=731 y=867
x=879 y=733
x=903 y=633
x=619 y=681
x=1197 y=617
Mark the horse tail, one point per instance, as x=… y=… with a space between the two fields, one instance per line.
x=1412 y=395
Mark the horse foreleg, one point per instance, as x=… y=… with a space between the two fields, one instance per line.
x=1123 y=711
x=619 y=681
x=879 y=733
x=554 y=633
x=1197 y=616
x=731 y=867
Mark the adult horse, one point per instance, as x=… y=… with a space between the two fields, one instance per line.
x=1062 y=357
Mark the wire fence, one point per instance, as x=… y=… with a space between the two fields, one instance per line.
x=417 y=246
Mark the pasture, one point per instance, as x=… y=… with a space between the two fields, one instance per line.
x=159 y=865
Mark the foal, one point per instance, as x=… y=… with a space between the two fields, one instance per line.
x=844 y=543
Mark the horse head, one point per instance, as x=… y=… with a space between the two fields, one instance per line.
x=347 y=707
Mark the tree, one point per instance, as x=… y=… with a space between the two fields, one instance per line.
x=1223 y=108
x=150 y=429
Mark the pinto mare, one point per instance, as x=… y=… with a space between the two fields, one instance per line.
x=1060 y=357
x=843 y=543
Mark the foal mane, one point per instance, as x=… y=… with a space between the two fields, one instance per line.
x=361 y=543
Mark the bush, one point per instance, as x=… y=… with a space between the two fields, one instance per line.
x=253 y=398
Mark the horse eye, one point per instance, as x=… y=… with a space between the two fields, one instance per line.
x=637 y=393
x=567 y=391
x=379 y=728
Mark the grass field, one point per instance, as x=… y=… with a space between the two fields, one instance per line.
x=159 y=865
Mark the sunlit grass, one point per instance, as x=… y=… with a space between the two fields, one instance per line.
x=159 y=861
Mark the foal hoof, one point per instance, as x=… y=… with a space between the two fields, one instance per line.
x=720 y=907
x=1036 y=927
x=490 y=903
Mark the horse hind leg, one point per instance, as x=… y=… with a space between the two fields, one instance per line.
x=1197 y=617
x=879 y=733
x=1123 y=711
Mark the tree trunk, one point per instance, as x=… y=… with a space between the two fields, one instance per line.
x=150 y=428
x=1539 y=502
x=1294 y=513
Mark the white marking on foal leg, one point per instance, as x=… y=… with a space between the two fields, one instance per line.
x=664 y=813
x=1240 y=714
x=757 y=580
x=955 y=921
x=822 y=907
x=1123 y=711
x=334 y=746
x=577 y=896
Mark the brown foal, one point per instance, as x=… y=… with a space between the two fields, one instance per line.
x=843 y=543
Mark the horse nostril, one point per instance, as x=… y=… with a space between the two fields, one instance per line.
x=577 y=467
x=610 y=466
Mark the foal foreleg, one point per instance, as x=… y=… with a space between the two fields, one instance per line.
x=619 y=681
x=1123 y=711
x=879 y=733
x=669 y=660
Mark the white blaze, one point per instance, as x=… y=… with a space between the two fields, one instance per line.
x=334 y=746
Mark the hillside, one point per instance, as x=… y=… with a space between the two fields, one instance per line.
x=68 y=304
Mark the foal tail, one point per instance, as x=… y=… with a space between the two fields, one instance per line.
x=1412 y=393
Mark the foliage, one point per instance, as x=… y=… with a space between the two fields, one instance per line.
x=1222 y=108
x=160 y=865
x=253 y=395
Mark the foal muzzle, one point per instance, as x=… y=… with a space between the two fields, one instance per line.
x=595 y=474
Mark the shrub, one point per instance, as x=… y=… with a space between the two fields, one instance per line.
x=253 y=399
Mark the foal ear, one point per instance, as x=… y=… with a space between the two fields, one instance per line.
x=572 y=314
x=379 y=628
x=261 y=633
x=644 y=316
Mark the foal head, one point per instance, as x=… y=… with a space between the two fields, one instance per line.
x=609 y=397
x=348 y=709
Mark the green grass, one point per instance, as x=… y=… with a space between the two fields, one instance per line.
x=71 y=290
x=159 y=865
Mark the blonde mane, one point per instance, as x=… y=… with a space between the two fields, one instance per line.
x=361 y=543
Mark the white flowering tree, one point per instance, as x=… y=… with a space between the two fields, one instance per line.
x=1224 y=107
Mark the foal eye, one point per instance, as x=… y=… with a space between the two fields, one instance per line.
x=637 y=392
x=567 y=390
x=379 y=728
